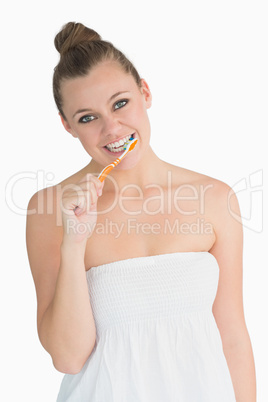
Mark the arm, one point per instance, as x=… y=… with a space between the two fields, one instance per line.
x=67 y=328
x=65 y=322
x=228 y=305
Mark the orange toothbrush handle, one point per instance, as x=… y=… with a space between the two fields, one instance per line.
x=105 y=172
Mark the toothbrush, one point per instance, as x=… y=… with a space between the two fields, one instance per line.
x=129 y=146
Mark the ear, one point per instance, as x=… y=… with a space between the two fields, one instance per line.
x=67 y=126
x=145 y=90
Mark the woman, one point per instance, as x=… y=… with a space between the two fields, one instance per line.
x=139 y=278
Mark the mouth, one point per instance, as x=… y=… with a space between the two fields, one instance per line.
x=118 y=146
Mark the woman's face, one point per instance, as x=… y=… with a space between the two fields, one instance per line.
x=104 y=107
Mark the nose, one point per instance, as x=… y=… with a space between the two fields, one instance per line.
x=111 y=126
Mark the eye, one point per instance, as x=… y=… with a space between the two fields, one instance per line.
x=121 y=104
x=86 y=119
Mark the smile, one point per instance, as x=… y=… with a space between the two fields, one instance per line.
x=118 y=146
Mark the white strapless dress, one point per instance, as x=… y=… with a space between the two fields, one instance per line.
x=157 y=339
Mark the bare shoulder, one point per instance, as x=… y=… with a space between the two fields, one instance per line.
x=185 y=177
x=44 y=221
x=220 y=200
x=217 y=199
x=44 y=205
x=43 y=224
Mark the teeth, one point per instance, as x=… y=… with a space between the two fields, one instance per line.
x=117 y=149
x=118 y=146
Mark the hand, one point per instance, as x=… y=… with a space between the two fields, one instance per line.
x=79 y=208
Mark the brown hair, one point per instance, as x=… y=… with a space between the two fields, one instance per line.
x=81 y=49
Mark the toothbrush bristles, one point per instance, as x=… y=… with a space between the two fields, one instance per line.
x=127 y=143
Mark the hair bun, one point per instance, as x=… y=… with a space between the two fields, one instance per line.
x=72 y=34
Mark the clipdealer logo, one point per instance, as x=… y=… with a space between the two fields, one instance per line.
x=249 y=190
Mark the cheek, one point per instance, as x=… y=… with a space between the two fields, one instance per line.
x=87 y=137
x=88 y=133
x=138 y=115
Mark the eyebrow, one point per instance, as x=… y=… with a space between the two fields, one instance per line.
x=111 y=98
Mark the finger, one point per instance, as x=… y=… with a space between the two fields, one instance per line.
x=78 y=198
x=89 y=177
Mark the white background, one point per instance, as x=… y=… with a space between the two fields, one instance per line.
x=206 y=64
